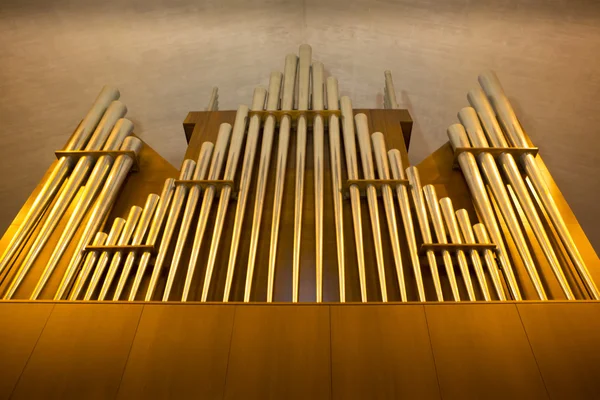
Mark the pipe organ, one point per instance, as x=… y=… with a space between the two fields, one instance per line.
x=299 y=197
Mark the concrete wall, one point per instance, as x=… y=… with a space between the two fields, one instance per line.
x=166 y=55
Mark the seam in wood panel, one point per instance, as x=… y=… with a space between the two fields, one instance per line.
x=437 y=376
x=229 y=353
x=129 y=352
x=330 y=355
x=31 y=353
x=533 y=352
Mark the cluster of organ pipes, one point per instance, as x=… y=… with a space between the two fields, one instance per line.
x=112 y=265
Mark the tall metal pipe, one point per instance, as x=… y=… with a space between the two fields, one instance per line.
x=209 y=194
x=467 y=232
x=451 y=223
x=492 y=174
x=121 y=129
x=395 y=161
x=138 y=236
x=185 y=173
x=89 y=262
x=352 y=169
x=301 y=129
x=106 y=198
x=246 y=177
x=200 y=173
x=155 y=230
x=468 y=165
x=58 y=174
x=507 y=117
x=335 y=158
x=490 y=260
x=263 y=173
x=412 y=174
x=383 y=170
x=237 y=138
x=134 y=215
x=287 y=103
x=470 y=120
x=440 y=233
x=366 y=155
x=318 y=150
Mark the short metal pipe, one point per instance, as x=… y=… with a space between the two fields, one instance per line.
x=490 y=260
x=88 y=264
x=214 y=173
x=464 y=223
x=352 y=170
x=440 y=232
x=134 y=215
x=451 y=223
x=366 y=154
x=412 y=174
x=155 y=230
x=237 y=138
x=185 y=173
x=383 y=170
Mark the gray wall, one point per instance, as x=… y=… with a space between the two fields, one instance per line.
x=165 y=55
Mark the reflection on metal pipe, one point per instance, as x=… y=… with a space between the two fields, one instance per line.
x=482 y=237
x=448 y=214
x=60 y=171
x=383 y=170
x=132 y=219
x=465 y=226
x=409 y=230
x=362 y=130
x=318 y=149
x=237 y=138
x=204 y=158
x=287 y=102
x=155 y=230
x=214 y=173
x=440 y=233
x=185 y=173
x=412 y=174
x=468 y=165
x=335 y=154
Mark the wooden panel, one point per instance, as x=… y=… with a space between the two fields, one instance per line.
x=280 y=352
x=81 y=353
x=481 y=352
x=22 y=325
x=179 y=352
x=381 y=352
x=564 y=338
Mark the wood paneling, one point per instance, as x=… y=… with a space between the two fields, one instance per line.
x=81 y=354
x=381 y=352
x=280 y=352
x=179 y=352
x=564 y=338
x=481 y=352
x=21 y=325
